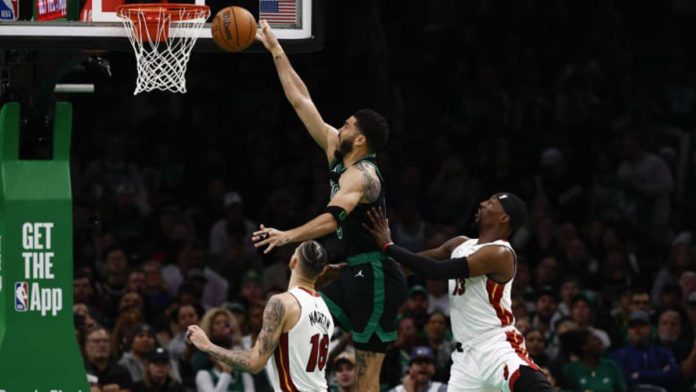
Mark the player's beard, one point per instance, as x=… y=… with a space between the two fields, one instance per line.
x=476 y=224
x=344 y=148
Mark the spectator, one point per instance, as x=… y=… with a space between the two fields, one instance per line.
x=141 y=342
x=223 y=378
x=583 y=315
x=420 y=372
x=687 y=282
x=622 y=307
x=546 y=273
x=181 y=352
x=648 y=178
x=157 y=377
x=136 y=282
x=546 y=305
x=221 y=326
x=416 y=306
x=643 y=362
x=639 y=301
x=127 y=319
x=254 y=324
x=131 y=300
x=590 y=371
x=115 y=277
x=436 y=336
x=579 y=263
x=397 y=357
x=520 y=308
x=684 y=351
x=681 y=259
x=83 y=290
x=251 y=290
x=617 y=273
x=234 y=220
x=523 y=325
x=240 y=314
x=521 y=285
x=127 y=214
x=344 y=373
x=688 y=368
x=691 y=312
x=155 y=290
x=569 y=290
x=100 y=363
x=438 y=296
x=563 y=191
x=669 y=335
x=238 y=260
x=670 y=298
x=83 y=322
x=280 y=209
x=410 y=230
x=192 y=262
x=536 y=346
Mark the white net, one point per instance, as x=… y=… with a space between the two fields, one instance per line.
x=162 y=38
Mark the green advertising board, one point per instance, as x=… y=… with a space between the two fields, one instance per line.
x=38 y=348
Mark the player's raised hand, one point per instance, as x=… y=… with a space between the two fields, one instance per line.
x=266 y=36
x=378 y=227
x=198 y=338
x=271 y=237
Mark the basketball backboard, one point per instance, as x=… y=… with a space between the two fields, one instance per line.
x=297 y=23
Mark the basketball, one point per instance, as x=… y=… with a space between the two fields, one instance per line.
x=234 y=29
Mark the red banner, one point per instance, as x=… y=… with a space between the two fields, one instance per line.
x=51 y=9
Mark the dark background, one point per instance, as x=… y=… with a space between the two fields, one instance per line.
x=547 y=99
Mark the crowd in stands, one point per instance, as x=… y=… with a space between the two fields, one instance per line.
x=583 y=108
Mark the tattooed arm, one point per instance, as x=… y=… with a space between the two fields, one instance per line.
x=358 y=184
x=253 y=360
x=370 y=182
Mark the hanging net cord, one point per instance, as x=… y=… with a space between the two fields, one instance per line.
x=162 y=39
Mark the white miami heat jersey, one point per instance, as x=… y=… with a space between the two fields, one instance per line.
x=479 y=305
x=299 y=361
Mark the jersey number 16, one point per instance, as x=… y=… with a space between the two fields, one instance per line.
x=320 y=352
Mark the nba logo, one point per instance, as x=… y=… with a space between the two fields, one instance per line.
x=9 y=9
x=21 y=297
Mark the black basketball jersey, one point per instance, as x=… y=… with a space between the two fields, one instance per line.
x=351 y=238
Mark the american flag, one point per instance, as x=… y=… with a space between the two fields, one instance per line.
x=279 y=12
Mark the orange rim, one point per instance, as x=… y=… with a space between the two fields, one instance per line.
x=152 y=11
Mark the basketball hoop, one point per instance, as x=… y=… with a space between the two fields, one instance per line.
x=162 y=36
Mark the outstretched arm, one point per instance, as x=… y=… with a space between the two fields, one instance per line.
x=297 y=94
x=445 y=250
x=490 y=260
x=254 y=359
x=354 y=184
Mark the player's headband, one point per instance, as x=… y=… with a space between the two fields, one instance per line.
x=515 y=208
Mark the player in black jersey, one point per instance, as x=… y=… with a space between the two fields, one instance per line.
x=366 y=297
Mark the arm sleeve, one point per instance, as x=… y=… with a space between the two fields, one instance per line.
x=429 y=268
